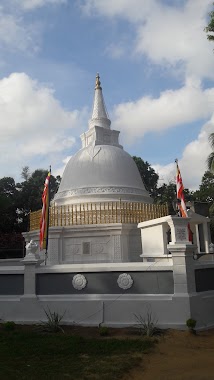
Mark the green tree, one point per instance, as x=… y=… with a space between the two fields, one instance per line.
x=8 y=205
x=167 y=194
x=25 y=174
x=210 y=27
x=206 y=189
x=210 y=159
x=148 y=175
x=206 y=194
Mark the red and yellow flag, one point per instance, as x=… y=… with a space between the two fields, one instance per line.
x=44 y=221
x=180 y=193
x=181 y=199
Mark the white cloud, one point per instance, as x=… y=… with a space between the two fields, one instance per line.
x=166 y=173
x=172 y=108
x=33 y=4
x=176 y=36
x=33 y=123
x=132 y=11
x=169 y=35
x=192 y=162
x=115 y=51
x=16 y=32
x=16 y=35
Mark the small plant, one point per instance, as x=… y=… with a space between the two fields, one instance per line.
x=191 y=323
x=147 y=325
x=9 y=325
x=53 y=322
x=103 y=331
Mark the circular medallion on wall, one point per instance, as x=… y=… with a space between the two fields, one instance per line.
x=125 y=281
x=79 y=282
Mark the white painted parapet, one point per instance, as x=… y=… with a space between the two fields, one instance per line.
x=154 y=237
x=157 y=233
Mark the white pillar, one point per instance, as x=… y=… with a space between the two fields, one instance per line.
x=183 y=268
x=206 y=237
x=197 y=238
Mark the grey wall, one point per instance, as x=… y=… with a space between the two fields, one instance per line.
x=11 y=284
x=204 y=279
x=157 y=282
x=10 y=262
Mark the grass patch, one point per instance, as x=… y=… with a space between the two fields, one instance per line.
x=33 y=355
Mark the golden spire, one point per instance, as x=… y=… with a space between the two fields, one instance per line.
x=98 y=83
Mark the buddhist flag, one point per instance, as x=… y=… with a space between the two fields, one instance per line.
x=44 y=221
x=180 y=193
x=181 y=199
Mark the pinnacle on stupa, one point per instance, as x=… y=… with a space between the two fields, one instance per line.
x=99 y=114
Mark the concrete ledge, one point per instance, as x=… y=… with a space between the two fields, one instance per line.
x=107 y=267
x=106 y=297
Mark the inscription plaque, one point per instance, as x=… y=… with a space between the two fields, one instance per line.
x=86 y=248
x=181 y=234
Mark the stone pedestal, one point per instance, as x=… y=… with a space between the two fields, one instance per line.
x=30 y=261
x=94 y=243
x=179 y=230
x=30 y=279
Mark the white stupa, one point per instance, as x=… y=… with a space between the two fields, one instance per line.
x=93 y=217
x=101 y=170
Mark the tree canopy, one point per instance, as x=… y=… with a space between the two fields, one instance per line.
x=148 y=175
x=8 y=206
x=18 y=199
x=206 y=189
x=210 y=159
x=210 y=27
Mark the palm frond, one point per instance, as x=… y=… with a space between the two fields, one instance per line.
x=210 y=162
x=211 y=140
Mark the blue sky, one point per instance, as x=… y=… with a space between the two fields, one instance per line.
x=157 y=75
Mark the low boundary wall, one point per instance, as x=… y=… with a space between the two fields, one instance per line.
x=110 y=294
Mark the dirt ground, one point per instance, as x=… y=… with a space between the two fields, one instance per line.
x=178 y=355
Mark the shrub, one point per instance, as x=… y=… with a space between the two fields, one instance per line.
x=147 y=325
x=103 y=331
x=53 y=322
x=9 y=325
x=191 y=323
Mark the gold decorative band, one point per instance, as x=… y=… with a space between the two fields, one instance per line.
x=99 y=213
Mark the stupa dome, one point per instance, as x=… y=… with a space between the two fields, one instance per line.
x=101 y=170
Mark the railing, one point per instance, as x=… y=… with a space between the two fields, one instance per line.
x=99 y=213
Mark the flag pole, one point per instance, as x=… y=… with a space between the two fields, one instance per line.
x=48 y=218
